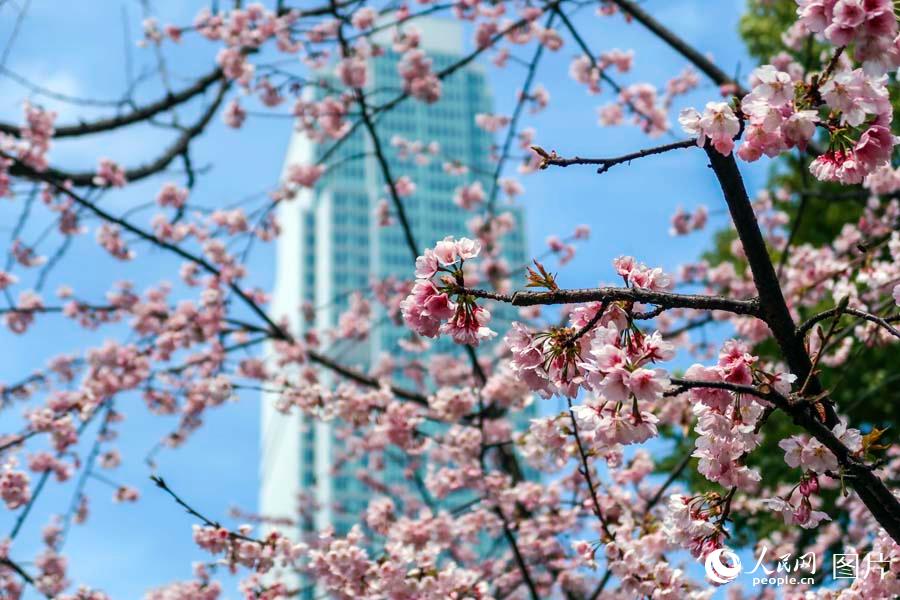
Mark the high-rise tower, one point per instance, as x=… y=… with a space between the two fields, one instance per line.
x=332 y=245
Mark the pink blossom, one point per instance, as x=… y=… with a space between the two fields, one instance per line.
x=427 y=265
x=621 y=59
x=110 y=238
x=718 y=124
x=419 y=80
x=641 y=276
x=582 y=70
x=425 y=308
x=445 y=251
x=874 y=147
x=234 y=114
x=7 y=279
x=841 y=166
x=405 y=186
x=610 y=114
x=800 y=515
x=774 y=86
x=468 y=197
x=352 y=71
x=109 y=174
x=469 y=326
x=14 y=488
x=305 y=175
x=172 y=195
x=363 y=18
x=491 y=123
x=467 y=249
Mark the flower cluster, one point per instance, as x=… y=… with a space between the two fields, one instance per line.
x=429 y=309
x=718 y=125
x=638 y=275
x=469 y=196
x=802 y=514
x=691 y=522
x=420 y=152
x=775 y=122
x=812 y=455
x=684 y=222
x=611 y=359
x=109 y=174
x=36 y=135
x=782 y=111
x=726 y=424
x=239 y=548
x=418 y=78
x=14 y=488
x=861 y=138
x=871 y=24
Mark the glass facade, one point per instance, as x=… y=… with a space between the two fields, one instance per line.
x=343 y=248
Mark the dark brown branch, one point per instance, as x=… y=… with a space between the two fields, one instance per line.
x=365 y=380
x=690 y=325
x=21 y=573
x=442 y=74
x=607 y=163
x=57 y=309
x=679 y=45
x=883 y=505
x=386 y=174
x=613 y=294
x=318 y=11
x=178 y=148
x=601 y=585
x=139 y=114
x=161 y=484
x=682 y=385
x=881 y=321
x=586 y=473
x=273 y=330
x=520 y=560
x=773 y=308
x=18 y=439
x=514 y=122
x=593 y=60
x=360 y=97
x=673 y=475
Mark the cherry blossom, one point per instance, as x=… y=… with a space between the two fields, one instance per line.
x=559 y=459
x=718 y=124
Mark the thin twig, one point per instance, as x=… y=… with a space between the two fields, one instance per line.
x=607 y=163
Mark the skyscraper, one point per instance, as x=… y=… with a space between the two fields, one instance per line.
x=333 y=245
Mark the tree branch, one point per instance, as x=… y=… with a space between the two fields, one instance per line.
x=679 y=45
x=513 y=123
x=881 y=321
x=139 y=114
x=613 y=294
x=586 y=473
x=883 y=505
x=274 y=330
x=607 y=163
x=22 y=573
x=86 y=179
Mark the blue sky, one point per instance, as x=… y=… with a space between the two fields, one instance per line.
x=129 y=548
